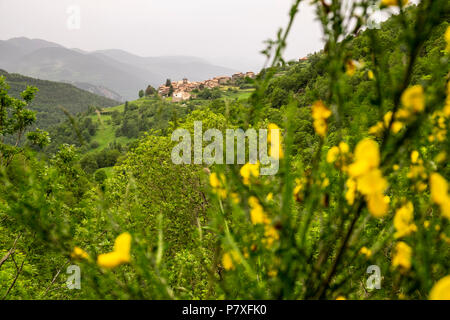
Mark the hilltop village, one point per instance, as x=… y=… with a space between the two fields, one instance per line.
x=183 y=90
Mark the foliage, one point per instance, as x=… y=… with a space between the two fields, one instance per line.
x=363 y=181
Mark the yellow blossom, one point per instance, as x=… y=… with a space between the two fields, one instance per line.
x=257 y=214
x=413 y=98
x=367 y=157
x=343 y=147
x=404 y=221
x=269 y=196
x=377 y=205
x=414 y=156
x=395 y=167
x=351 y=190
x=228 y=258
x=439 y=188
x=371 y=182
x=79 y=253
x=341 y=298
x=120 y=254
x=440 y=157
x=447 y=39
x=270 y=235
x=402 y=256
x=441 y=289
x=235 y=198
x=320 y=114
x=396 y=126
x=249 y=170
x=217 y=184
x=365 y=251
x=439 y=193
x=332 y=154
x=370 y=74
x=377 y=129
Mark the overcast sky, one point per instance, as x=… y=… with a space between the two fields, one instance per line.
x=229 y=32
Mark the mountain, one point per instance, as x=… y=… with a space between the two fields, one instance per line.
x=114 y=70
x=172 y=67
x=53 y=95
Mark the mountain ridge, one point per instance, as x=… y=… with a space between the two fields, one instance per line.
x=115 y=69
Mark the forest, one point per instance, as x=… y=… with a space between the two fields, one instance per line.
x=359 y=208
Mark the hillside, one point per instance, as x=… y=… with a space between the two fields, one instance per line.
x=114 y=70
x=52 y=95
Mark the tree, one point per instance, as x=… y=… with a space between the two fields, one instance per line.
x=170 y=91
x=15 y=118
x=150 y=91
x=141 y=93
x=168 y=83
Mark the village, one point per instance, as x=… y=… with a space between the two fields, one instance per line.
x=183 y=90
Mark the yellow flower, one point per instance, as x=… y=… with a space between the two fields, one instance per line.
x=228 y=258
x=120 y=254
x=370 y=74
x=396 y=127
x=341 y=298
x=217 y=184
x=366 y=252
x=413 y=98
x=214 y=180
x=439 y=193
x=276 y=129
x=377 y=205
x=367 y=157
x=249 y=170
x=377 y=129
x=439 y=188
x=440 y=157
x=402 y=256
x=343 y=147
x=395 y=167
x=257 y=214
x=404 y=221
x=390 y=3
x=79 y=253
x=351 y=190
x=269 y=197
x=332 y=154
x=320 y=113
x=387 y=118
x=270 y=235
x=447 y=39
x=441 y=289
x=371 y=182
x=235 y=198
x=414 y=156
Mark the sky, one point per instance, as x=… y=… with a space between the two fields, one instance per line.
x=225 y=32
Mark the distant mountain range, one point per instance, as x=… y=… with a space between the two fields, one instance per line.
x=113 y=73
x=54 y=95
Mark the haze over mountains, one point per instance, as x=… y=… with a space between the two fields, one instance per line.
x=115 y=74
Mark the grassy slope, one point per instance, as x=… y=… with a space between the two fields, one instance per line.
x=106 y=131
